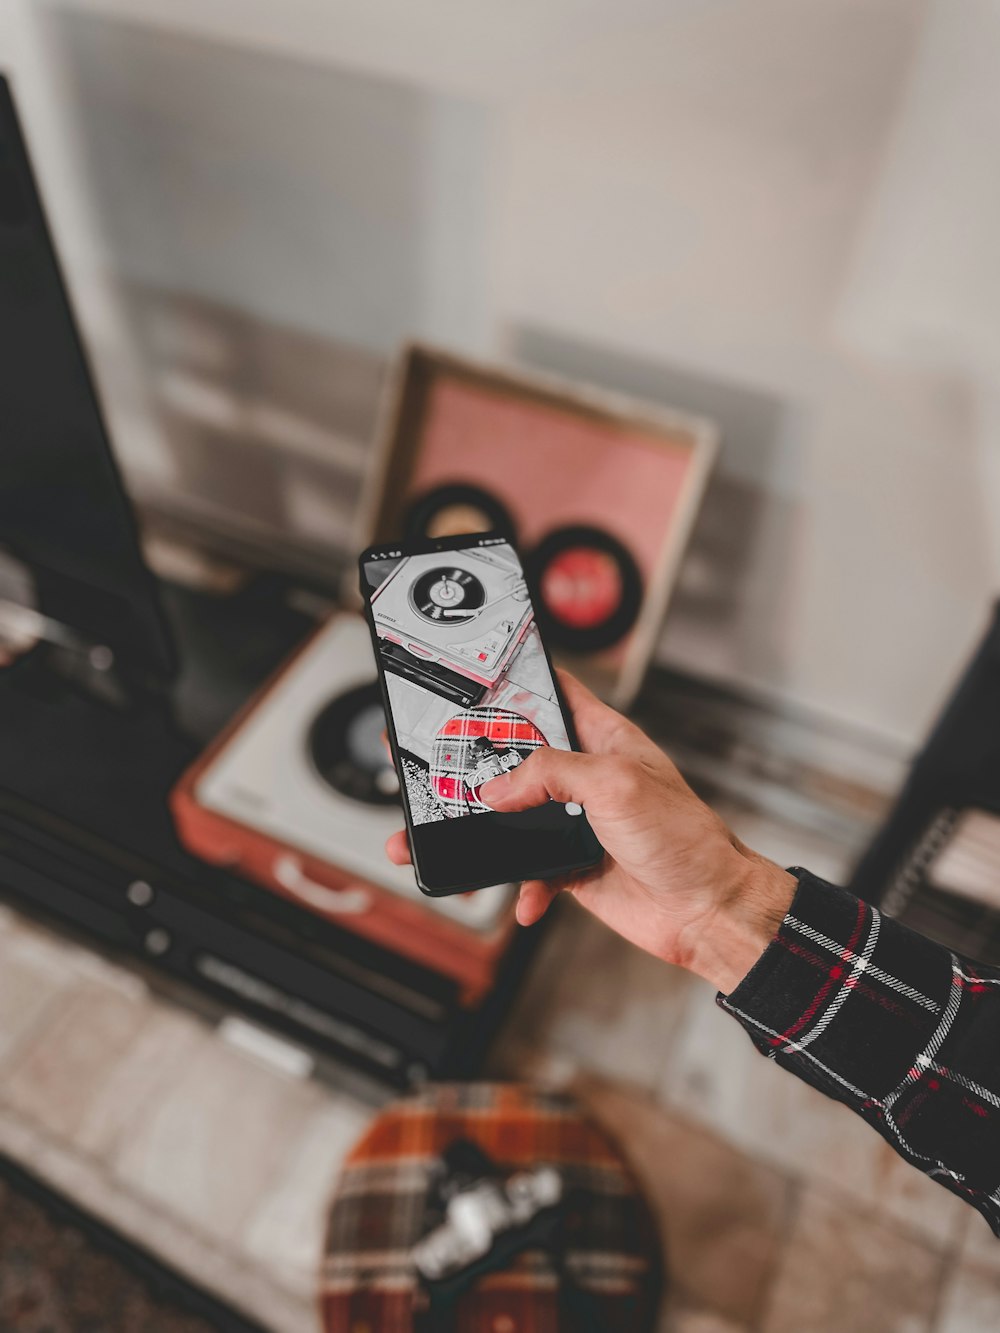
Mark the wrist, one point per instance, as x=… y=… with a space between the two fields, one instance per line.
x=744 y=921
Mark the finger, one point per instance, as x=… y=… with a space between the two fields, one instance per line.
x=601 y=730
x=559 y=775
x=534 y=901
x=577 y=695
x=397 y=849
x=385 y=742
x=595 y=722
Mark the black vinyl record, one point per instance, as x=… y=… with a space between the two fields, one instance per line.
x=448 y=595
x=450 y=511
x=586 y=587
x=345 y=745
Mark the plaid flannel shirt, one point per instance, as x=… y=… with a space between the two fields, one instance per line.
x=900 y=1029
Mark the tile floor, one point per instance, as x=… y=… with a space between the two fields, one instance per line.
x=780 y=1212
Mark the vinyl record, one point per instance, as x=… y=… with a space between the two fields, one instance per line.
x=474 y=746
x=586 y=586
x=345 y=745
x=450 y=511
x=448 y=594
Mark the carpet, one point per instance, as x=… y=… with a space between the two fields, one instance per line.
x=63 y=1272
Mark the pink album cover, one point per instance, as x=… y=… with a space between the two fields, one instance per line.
x=598 y=492
x=553 y=466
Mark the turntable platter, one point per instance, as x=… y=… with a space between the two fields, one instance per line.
x=345 y=744
x=452 y=595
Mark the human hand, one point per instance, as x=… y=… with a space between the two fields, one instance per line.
x=674 y=880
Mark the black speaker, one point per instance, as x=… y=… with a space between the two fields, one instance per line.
x=935 y=863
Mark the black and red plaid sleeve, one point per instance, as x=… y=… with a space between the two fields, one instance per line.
x=897 y=1027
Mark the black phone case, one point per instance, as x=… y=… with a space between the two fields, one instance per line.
x=419 y=547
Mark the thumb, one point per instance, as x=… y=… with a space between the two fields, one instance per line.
x=548 y=774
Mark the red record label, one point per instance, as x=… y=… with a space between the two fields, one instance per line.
x=582 y=587
x=474 y=746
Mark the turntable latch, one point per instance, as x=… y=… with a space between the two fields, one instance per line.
x=288 y=871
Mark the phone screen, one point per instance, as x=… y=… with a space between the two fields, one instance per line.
x=470 y=694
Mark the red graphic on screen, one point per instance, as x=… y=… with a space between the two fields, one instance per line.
x=472 y=748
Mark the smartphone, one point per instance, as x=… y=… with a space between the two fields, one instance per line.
x=469 y=693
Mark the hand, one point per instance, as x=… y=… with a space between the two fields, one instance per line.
x=674 y=880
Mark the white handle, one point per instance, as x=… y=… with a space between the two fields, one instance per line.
x=345 y=902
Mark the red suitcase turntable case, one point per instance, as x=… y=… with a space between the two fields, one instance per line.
x=277 y=798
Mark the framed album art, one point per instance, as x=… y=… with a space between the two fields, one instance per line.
x=599 y=493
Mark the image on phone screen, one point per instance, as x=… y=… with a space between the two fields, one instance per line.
x=469 y=685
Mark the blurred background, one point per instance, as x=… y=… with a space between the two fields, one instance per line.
x=778 y=216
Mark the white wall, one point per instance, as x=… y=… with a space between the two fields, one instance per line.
x=682 y=182
x=315 y=198
x=692 y=193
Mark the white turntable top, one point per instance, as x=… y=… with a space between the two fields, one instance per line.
x=467 y=610
x=266 y=778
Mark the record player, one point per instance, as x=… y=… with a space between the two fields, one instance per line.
x=478 y=607
x=299 y=794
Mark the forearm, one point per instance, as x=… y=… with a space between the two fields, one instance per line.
x=751 y=907
x=890 y=1023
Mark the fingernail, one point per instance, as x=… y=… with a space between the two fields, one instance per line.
x=495 y=788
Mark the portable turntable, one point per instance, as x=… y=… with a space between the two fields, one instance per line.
x=475 y=603
x=298 y=794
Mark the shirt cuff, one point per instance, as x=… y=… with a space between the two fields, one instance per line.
x=843 y=994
